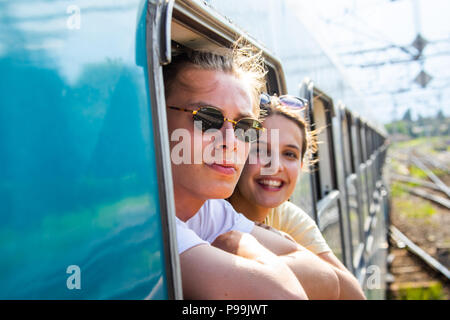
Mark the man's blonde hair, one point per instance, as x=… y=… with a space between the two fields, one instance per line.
x=242 y=60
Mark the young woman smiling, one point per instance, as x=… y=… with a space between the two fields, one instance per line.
x=263 y=197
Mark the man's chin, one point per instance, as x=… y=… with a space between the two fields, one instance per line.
x=219 y=192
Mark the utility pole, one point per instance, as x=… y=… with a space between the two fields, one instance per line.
x=419 y=44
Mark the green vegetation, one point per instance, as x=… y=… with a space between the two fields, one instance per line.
x=413 y=143
x=438 y=125
x=438 y=172
x=408 y=207
x=428 y=145
x=413 y=209
x=433 y=291
x=417 y=173
x=397 y=190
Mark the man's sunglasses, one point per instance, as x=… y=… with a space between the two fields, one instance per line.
x=208 y=117
x=292 y=102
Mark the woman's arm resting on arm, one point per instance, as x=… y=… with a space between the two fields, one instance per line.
x=212 y=273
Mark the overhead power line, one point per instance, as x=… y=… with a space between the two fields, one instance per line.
x=389 y=47
x=397 y=61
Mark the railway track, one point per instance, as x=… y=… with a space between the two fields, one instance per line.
x=423 y=187
x=414 y=273
x=438 y=182
x=403 y=241
x=419 y=267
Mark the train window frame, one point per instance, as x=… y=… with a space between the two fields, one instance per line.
x=158 y=54
x=359 y=152
x=358 y=162
x=349 y=128
x=355 y=229
x=200 y=27
x=195 y=26
x=363 y=133
x=325 y=174
x=346 y=140
x=369 y=142
x=324 y=202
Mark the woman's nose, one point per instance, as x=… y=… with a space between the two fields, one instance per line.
x=274 y=163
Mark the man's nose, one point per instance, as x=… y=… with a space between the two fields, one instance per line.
x=229 y=141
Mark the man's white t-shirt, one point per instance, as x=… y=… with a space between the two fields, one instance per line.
x=215 y=217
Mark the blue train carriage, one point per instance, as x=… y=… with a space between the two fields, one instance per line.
x=81 y=202
x=85 y=188
x=86 y=191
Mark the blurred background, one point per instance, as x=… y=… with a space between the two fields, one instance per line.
x=397 y=54
x=396 y=51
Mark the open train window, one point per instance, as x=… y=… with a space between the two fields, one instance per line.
x=196 y=26
x=358 y=158
x=321 y=116
x=350 y=139
x=363 y=133
x=346 y=126
x=369 y=141
x=353 y=212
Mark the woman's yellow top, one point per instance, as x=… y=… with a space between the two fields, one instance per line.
x=299 y=225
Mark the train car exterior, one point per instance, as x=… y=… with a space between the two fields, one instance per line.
x=85 y=188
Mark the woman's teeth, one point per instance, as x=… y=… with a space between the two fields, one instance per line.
x=271 y=183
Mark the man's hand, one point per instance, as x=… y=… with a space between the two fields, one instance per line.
x=281 y=233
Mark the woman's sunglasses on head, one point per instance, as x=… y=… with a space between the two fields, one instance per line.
x=289 y=101
x=208 y=117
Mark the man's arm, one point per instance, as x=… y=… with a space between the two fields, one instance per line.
x=350 y=288
x=246 y=271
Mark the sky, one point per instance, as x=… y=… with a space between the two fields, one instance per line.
x=353 y=28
